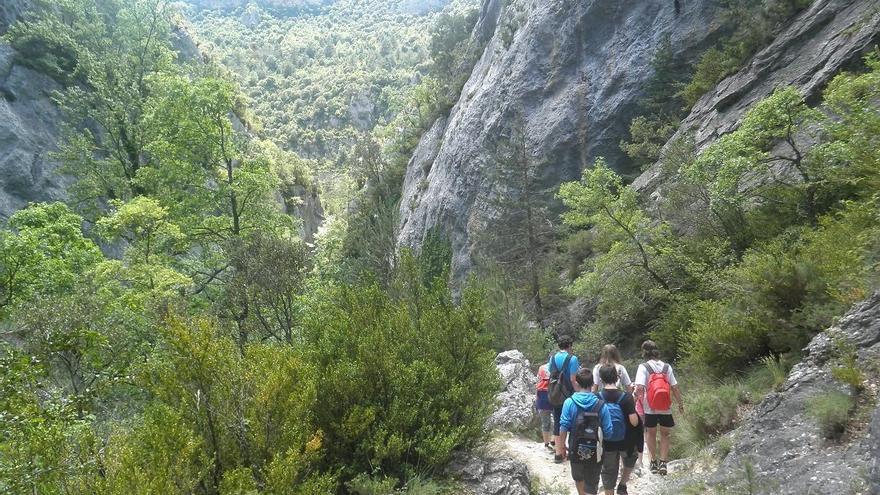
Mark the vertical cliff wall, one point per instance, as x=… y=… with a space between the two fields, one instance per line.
x=571 y=71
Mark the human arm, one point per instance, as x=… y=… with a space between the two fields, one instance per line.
x=641 y=382
x=566 y=418
x=625 y=380
x=573 y=367
x=629 y=408
x=595 y=379
x=676 y=394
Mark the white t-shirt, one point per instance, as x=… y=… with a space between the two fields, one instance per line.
x=642 y=379
x=623 y=380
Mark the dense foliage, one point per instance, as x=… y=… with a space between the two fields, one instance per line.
x=757 y=244
x=320 y=82
x=168 y=331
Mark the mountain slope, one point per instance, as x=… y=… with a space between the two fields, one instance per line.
x=572 y=73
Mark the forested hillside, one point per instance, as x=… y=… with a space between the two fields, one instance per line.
x=320 y=80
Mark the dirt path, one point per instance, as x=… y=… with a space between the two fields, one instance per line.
x=555 y=478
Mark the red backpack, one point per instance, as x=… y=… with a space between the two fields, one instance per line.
x=659 y=395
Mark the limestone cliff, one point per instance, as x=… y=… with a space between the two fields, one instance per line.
x=571 y=71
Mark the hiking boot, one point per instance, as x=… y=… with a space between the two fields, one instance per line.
x=655 y=466
x=621 y=489
x=661 y=468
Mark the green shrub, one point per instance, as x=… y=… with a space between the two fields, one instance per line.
x=405 y=380
x=847 y=369
x=712 y=411
x=831 y=412
x=723 y=338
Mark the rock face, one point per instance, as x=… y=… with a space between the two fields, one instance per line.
x=784 y=444
x=28 y=134
x=516 y=403
x=489 y=475
x=571 y=72
x=822 y=40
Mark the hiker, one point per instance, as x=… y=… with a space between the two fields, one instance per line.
x=623 y=446
x=610 y=355
x=656 y=386
x=584 y=422
x=563 y=366
x=543 y=407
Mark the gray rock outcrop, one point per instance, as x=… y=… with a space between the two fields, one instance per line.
x=571 y=71
x=28 y=134
x=479 y=474
x=516 y=402
x=784 y=445
x=822 y=40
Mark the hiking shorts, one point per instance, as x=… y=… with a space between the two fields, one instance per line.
x=611 y=465
x=665 y=420
x=587 y=471
x=546 y=421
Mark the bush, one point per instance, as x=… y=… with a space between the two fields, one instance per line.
x=713 y=412
x=404 y=379
x=723 y=338
x=831 y=412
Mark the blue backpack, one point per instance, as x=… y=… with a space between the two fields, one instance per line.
x=618 y=421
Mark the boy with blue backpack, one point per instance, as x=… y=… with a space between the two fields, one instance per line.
x=584 y=422
x=624 y=442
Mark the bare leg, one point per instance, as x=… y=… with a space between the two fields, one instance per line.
x=580 y=487
x=664 y=443
x=651 y=434
x=624 y=475
x=547 y=436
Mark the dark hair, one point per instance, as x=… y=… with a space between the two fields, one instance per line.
x=608 y=374
x=564 y=342
x=650 y=350
x=584 y=378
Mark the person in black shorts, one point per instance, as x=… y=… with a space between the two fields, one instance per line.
x=624 y=451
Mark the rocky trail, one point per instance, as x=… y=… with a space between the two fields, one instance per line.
x=555 y=479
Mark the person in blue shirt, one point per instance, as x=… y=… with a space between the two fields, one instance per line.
x=556 y=362
x=585 y=472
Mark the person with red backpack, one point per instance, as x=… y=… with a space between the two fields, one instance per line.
x=543 y=406
x=656 y=387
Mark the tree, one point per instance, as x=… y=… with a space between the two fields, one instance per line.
x=745 y=167
x=523 y=232
x=106 y=53
x=631 y=272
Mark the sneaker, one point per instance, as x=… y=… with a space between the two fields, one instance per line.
x=661 y=468
x=655 y=466
x=558 y=459
x=621 y=490
x=550 y=447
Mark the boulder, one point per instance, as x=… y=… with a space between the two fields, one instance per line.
x=516 y=402
x=482 y=474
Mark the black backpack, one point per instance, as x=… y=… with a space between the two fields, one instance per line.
x=560 y=383
x=586 y=436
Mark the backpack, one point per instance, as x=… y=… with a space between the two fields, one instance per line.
x=560 y=389
x=659 y=396
x=618 y=420
x=586 y=437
